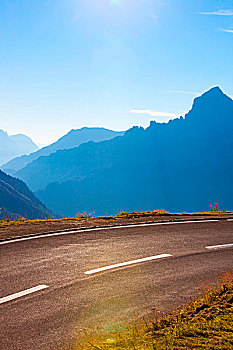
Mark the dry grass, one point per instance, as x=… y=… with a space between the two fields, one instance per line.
x=165 y=213
x=122 y=215
x=205 y=323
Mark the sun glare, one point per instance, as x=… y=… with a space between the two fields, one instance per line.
x=124 y=8
x=115 y=2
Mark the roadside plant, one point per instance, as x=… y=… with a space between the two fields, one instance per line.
x=85 y=214
x=215 y=207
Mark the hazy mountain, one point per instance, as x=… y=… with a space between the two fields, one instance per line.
x=15 y=145
x=17 y=200
x=75 y=163
x=73 y=139
x=182 y=165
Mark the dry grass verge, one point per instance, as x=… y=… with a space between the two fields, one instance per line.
x=205 y=323
x=23 y=227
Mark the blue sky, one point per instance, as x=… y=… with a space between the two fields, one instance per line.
x=115 y=63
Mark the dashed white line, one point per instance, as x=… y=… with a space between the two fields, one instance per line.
x=131 y=262
x=229 y=219
x=23 y=293
x=219 y=246
x=101 y=229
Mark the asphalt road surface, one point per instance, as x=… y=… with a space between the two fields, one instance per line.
x=54 y=285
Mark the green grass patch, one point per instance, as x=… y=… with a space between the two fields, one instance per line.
x=204 y=323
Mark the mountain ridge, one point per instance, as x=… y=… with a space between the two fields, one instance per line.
x=180 y=165
x=14 y=145
x=72 y=139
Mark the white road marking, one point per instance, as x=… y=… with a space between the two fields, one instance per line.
x=219 y=246
x=229 y=219
x=23 y=293
x=101 y=229
x=41 y=236
x=186 y=222
x=104 y=268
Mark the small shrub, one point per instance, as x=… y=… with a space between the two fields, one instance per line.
x=85 y=215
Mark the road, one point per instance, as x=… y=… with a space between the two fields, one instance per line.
x=60 y=288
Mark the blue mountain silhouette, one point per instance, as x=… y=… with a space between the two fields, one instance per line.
x=14 y=145
x=72 y=139
x=181 y=165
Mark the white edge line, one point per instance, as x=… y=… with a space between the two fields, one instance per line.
x=101 y=229
x=104 y=268
x=23 y=293
x=185 y=222
x=219 y=246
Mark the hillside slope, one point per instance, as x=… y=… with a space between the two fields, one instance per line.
x=17 y=200
x=182 y=165
x=74 y=138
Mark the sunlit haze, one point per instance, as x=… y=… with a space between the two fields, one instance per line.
x=66 y=64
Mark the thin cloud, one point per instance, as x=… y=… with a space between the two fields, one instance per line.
x=185 y=92
x=225 y=30
x=154 y=113
x=218 y=13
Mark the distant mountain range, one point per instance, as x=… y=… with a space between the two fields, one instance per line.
x=182 y=165
x=16 y=200
x=14 y=146
x=73 y=139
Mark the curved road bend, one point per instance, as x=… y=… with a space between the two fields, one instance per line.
x=52 y=286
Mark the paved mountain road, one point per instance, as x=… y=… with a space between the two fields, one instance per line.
x=68 y=299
